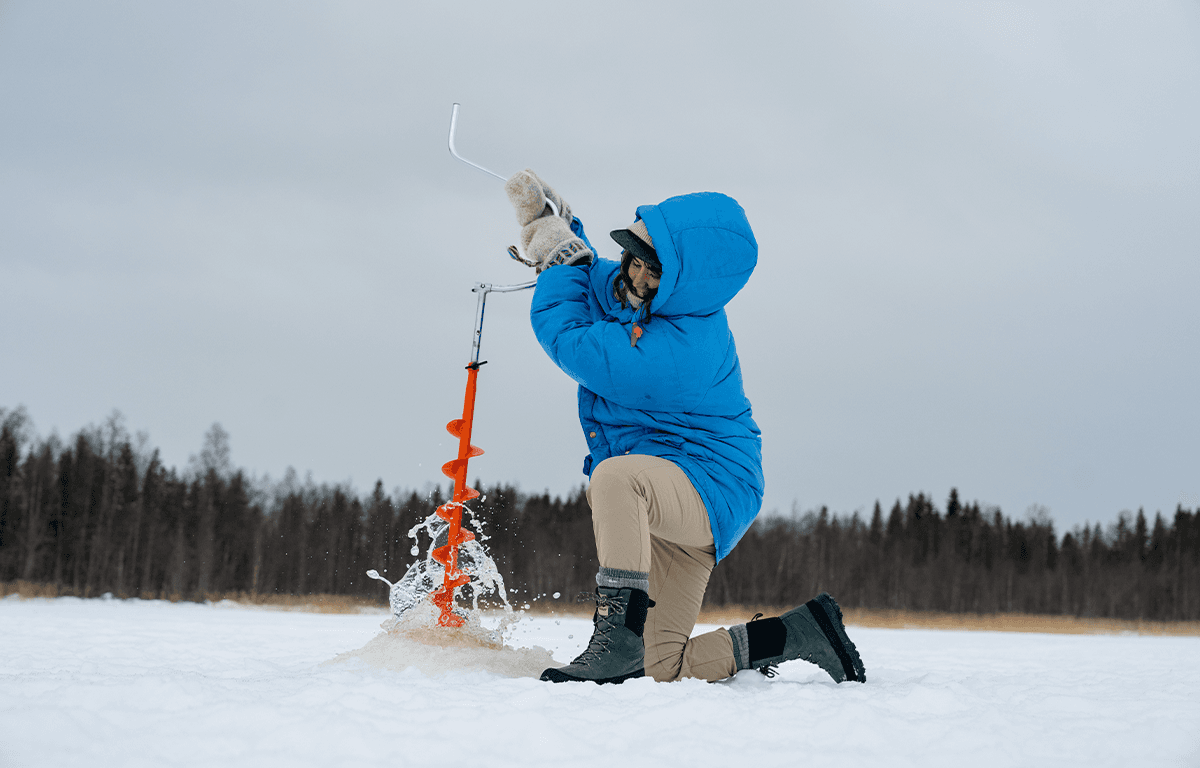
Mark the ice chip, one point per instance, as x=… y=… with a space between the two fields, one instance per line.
x=374 y=574
x=421 y=579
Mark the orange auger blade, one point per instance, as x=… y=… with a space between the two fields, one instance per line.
x=451 y=511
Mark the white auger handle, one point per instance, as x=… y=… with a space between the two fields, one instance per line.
x=453 y=151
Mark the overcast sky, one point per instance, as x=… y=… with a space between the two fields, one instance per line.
x=978 y=228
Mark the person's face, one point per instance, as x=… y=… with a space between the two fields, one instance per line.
x=643 y=279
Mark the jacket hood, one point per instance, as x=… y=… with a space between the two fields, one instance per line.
x=707 y=250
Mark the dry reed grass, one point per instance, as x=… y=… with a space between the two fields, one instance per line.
x=27 y=589
x=727 y=615
x=993 y=622
x=309 y=603
x=883 y=619
x=1016 y=622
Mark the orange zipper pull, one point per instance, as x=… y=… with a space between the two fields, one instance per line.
x=635 y=335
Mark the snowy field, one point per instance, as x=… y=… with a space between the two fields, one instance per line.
x=138 y=683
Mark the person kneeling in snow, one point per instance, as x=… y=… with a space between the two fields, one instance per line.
x=676 y=458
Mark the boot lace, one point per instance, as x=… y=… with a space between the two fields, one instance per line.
x=612 y=602
x=600 y=640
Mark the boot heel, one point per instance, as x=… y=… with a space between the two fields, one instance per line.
x=828 y=615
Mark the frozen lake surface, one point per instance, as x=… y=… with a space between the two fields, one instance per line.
x=144 y=683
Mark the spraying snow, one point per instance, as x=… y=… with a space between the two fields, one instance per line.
x=425 y=576
x=412 y=636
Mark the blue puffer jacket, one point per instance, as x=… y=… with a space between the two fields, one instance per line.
x=678 y=393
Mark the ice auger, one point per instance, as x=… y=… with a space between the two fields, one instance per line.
x=456 y=469
x=420 y=579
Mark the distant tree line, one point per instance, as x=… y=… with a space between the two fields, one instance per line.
x=970 y=560
x=102 y=514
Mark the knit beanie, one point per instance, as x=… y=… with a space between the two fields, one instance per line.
x=636 y=240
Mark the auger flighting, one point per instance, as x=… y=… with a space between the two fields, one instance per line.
x=451 y=511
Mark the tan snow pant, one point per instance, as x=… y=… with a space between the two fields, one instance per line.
x=648 y=517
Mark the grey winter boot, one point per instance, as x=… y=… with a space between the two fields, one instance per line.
x=616 y=651
x=813 y=632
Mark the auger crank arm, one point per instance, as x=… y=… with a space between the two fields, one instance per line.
x=453 y=151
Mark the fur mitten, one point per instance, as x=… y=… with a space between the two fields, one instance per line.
x=548 y=241
x=528 y=195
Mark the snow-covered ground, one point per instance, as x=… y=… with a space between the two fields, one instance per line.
x=105 y=683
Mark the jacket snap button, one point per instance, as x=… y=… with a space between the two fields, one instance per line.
x=591 y=434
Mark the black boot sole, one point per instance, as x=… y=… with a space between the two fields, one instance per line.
x=828 y=615
x=558 y=676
